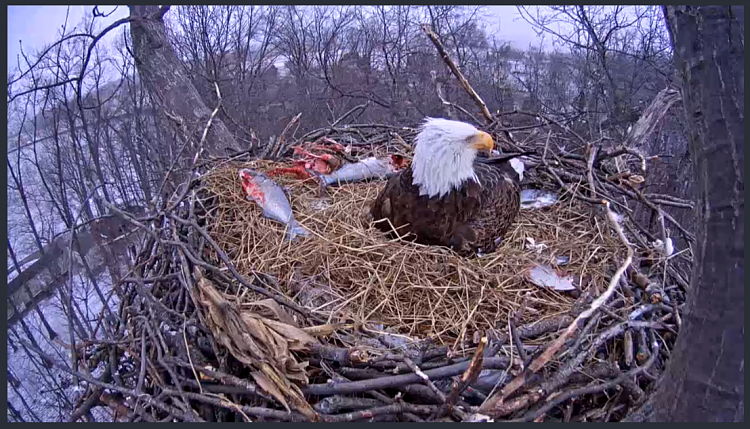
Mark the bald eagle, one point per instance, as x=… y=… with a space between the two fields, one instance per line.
x=449 y=196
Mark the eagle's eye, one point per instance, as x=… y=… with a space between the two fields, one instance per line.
x=481 y=141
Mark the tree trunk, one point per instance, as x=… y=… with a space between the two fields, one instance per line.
x=168 y=82
x=704 y=380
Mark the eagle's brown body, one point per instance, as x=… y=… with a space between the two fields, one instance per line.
x=470 y=217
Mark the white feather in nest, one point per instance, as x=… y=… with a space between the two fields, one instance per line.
x=320 y=205
x=531 y=244
x=666 y=248
x=537 y=199
x=546 y=277
x=479 y=418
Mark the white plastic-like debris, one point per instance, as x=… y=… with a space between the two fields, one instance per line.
x=546 y=277
x=561 y=260
x=320 y=205
x=531 y=244
x=537 y=199
x=666 y=249
x=617 y=217
x=518 y=166
x=479 y=418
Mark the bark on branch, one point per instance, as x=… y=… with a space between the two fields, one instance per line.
x=456 y=72
x=655 y=111
x=705 y=377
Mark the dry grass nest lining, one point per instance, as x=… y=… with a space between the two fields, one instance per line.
x=346 y=269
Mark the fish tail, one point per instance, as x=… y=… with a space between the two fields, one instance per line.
x=295 y=230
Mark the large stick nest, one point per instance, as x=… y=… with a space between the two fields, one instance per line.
x=225 y=320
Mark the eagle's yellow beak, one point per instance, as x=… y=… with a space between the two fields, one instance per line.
x=482 y=142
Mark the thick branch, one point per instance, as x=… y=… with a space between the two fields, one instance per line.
x=456 y=72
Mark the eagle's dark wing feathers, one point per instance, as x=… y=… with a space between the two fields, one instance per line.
x=467 y=218
x=413 y=216
x=500 y=202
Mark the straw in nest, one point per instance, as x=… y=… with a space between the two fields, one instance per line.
x=346 y=269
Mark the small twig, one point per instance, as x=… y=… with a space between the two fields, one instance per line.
x=187 y=349
x=126 y=216
x=425 y=379
x=142 y=372
x=379 y=411
x=379 y=396
x=352 y=110
x=466 y=112
x=518 y=343
x=557 y=178
x=335 y=404
x=590 y=169
x=176 y=159
x=245 y=386
x=563 y=374
x=280 y=147
x=512 y=323
x=628 y=348
x=253 y=411
x=582 y=336
x=467 y=378
x=202 y=142
x=551 y=121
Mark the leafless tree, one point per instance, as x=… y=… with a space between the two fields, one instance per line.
x=65 y=158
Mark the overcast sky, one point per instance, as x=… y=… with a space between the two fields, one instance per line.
x=37 y=26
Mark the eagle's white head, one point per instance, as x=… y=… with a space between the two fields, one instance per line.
x=444 y=155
